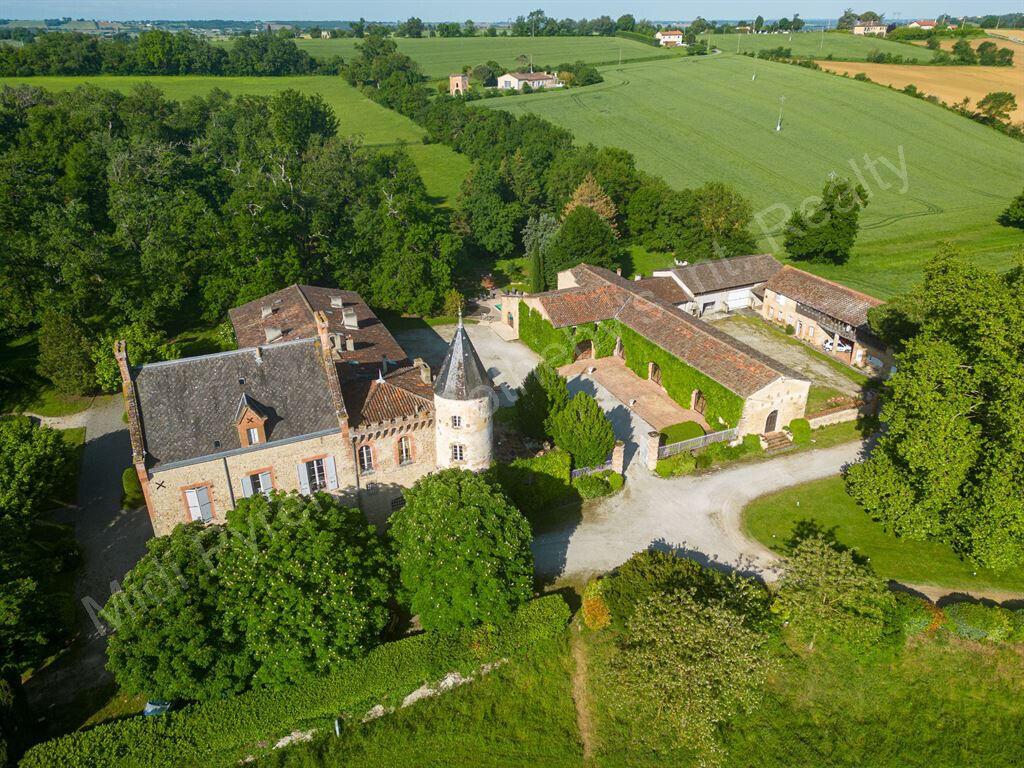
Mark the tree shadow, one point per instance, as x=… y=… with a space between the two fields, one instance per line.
x=744 y=566
x=811 y=529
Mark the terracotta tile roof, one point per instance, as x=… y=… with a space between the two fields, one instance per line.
x=734 y=365
x=838 y=301
x=665 y=288
x=291 y=311
x=671 y=32
x=402 y=394
x=722 y=274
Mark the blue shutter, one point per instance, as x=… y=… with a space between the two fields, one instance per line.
x=205 y=508
x=300 y=468
x=246 y=486
x=332 y=477
x=266 y=483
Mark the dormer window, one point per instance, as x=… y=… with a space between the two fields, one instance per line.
x=253 y=434
x=251 y=422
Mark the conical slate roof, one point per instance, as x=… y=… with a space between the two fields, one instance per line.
x=462 y=375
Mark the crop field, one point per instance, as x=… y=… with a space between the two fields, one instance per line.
x=840 y=45
x=440 y=56
x=705 y=119
x=442 y=169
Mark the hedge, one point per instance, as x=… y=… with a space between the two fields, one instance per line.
x=556 y=345
x=980 y=622
x=225 y=731
x=537 y=484
x=800 y=429
x=132 y=497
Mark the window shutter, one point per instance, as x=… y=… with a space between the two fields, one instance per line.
x=192 y=499
x=332 y=476
x=303 y=477
x=266 y=483
x=246 y=486
x=205 y=508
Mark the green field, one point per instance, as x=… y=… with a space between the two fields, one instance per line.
x=442 y=169
x=440 y=56
x=705 y=119
x=771 y=520
x=841 y=45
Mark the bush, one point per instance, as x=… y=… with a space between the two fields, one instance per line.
x=979 y=622
x=595 y=608
x=598 y=484
x=537 y=484
x=684 y=430
x=862 y=77
x=800 y=429
x=583 y=429
x=913 y=613
x=219 y=732
x=1016 y=626
x=674 y=466
x=704 y=460
x=790 y=330
x=132 y=497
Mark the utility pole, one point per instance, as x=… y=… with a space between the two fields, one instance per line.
x=778 y=126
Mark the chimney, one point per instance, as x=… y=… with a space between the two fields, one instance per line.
x=350 y=343
x=618 y=271
x=424 y=370
x=348 y=315
x=266 y=312
x=322 y=332
x=273 y=334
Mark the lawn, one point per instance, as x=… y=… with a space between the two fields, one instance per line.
x=439 y=57
x=442 y=169
x=640 y=261
x=23 y=390
x=521 y=714
x=702 y=119
x=840 y=45
x=771 y=520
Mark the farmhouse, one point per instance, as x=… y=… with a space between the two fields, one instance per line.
x=870 y=28
x=596 y=313
x=826 y=315
x=925 y=24
x=669 y=37
x=516 y=80
x=318 y=397
x=722 y=285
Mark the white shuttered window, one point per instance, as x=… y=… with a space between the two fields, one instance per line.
x=199 y=504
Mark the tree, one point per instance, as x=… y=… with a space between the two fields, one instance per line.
x=143 y=346
x=64 y=354
x=684 y=668
x=411 y=27
x=469 y=28
x=717 y=224
x=583 y=237
x=828 y=597
x=542 y=395
x=948 y=465
x=169 y=641
x=848 y=20
x=463 y=551
x=308 y=584
x=964 y=53
x=933 y=43
x=1013 y=216
x=32 y=464
x=625 y=23
x=998 y=105
x=582 y=429
x=590 y=194
x=828 y=232
x=538 y=236
x=759 y=23
x=987 y=54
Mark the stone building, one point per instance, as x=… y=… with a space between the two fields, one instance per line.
x=458 y=84
x=318 y=397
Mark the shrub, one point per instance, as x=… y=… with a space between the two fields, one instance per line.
x=979 y=622
x=593 y=486
x=684 y=430
x=800 y=429
x=615 y=480
x=537 y=484
x=582 y=429
x=64 y=354
x=595 y=608
x=453 y=303
x=218 y=732
x=132 y=497
x=1016 y=626
x=790 y=330
x=704 y=460
x=913 y=613
x=674 y=466
x=862 y=77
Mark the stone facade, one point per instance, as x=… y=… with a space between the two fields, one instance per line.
x=786 y=398
x=465 y=423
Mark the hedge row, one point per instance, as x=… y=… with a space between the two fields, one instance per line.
x=222 y=732
x=985 y=622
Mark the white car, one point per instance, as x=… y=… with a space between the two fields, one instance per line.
x=840 y=346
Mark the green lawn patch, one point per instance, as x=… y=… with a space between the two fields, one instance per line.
x=691 y=121
x=838 y=45
x=825 y=503
x=821 y=398
x=640 y=261
x=684 y=430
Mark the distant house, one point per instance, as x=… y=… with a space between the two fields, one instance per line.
x=325 y=34
x=516 y=80
x=826 y=315
x=669 y=37
x=925 y=24
x=458 y=84
x=745 y=29
x=720 y=285
x=870 y=28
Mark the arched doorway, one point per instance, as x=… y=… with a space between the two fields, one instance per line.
x=584 y=350
x=654 y=372
x=697 y=402
x=771 y=422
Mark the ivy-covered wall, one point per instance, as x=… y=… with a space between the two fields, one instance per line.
x=556 y=345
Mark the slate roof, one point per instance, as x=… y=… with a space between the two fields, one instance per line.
x=733 y=364
x=292 y=311
x=462 y=376
x=723 y=274
x=832 y=299
x=189 y=407
x=665 y=288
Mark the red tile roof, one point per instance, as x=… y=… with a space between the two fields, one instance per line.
x=832 y=299
x=665 y=288
x=402 y=394
x=734 y=365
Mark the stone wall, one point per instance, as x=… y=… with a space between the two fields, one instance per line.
x=381 y=490
x=476 y=432
x=787 y=396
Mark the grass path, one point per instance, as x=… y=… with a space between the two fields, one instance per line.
x=580 y=697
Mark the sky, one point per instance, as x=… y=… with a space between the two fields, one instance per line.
x=479 y=10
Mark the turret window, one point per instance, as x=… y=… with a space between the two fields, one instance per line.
x=405 y=450
x=456 y=422
x=365 y=459
x=458 y=452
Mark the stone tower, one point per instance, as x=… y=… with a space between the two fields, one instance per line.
x=463 y=407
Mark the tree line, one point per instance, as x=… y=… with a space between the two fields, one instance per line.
x=135 y=216
x=158 y=52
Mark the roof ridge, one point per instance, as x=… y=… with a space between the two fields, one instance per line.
x=821 y=279
x=224 y=353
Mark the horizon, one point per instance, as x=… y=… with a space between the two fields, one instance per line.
x=432 y=12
